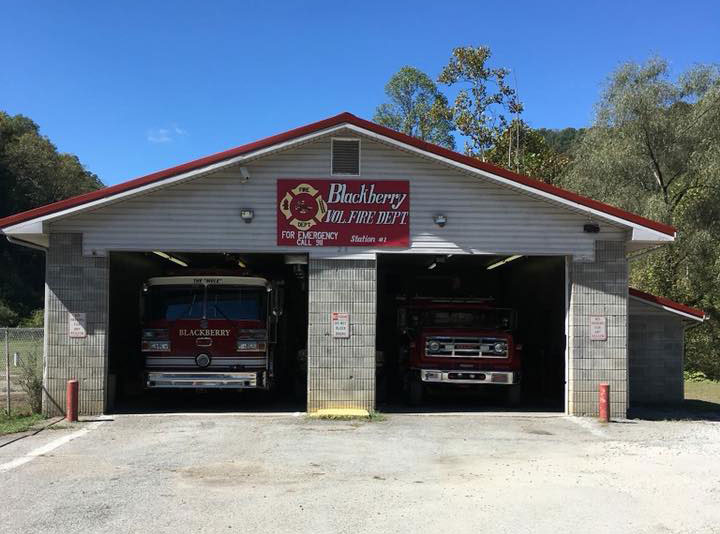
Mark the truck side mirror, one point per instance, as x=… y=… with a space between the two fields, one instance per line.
x=141 y=303
x=278 y=300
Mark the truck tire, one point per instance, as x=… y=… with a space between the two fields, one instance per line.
x=514 y=395
x=416 y=392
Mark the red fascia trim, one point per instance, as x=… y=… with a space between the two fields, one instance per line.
x=662 y=301
x=321 y=125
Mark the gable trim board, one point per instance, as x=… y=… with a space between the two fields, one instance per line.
x=33 y=221
x=687 y=312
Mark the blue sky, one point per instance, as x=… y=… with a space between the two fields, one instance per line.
x=134 y=87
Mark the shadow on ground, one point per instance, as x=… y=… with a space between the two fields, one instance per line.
x=689 y=410
x=210 y=401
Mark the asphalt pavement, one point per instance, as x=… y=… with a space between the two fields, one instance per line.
x=282 y=472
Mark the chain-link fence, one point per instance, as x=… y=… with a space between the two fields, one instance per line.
x=21 y=369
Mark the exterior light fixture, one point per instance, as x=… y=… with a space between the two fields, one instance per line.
x=244 y=174
x=503 y=262
x=440 y=219
x=170 y=258
x=247 y=215
x=432 y=265
x=241 y=264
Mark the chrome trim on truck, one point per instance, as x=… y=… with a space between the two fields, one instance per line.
x=202 y=380
x=465 y=376
x=465 y=347
x=189 y=361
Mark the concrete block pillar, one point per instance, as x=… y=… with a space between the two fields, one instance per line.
x=75 y=284
x=341 y=372
x=598 y=288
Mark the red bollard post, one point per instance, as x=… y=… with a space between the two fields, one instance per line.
x=604 y=402
x=71 y=401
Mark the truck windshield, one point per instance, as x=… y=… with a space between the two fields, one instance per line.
x=499 y=319
x=234 y=303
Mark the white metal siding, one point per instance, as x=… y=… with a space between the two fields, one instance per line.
x=203 y=214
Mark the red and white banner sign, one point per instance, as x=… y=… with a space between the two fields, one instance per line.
x=343 y=213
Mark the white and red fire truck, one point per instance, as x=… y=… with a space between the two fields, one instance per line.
x=209 y=331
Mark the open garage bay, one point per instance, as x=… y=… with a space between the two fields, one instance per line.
x=458 y=299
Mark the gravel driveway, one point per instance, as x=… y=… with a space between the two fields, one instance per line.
x=408 y=473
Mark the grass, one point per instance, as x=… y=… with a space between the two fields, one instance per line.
x=10 y=424
x=703 y=390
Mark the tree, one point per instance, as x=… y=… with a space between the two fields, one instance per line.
x=416 y=108
x=654 y=149
x=562 y=141
x=524 y=150
x=32 y=173
x=483 y=99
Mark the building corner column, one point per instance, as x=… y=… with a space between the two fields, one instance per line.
x=598 y=289
x=75 y=284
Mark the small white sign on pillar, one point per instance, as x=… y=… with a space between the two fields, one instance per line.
x=340 y=324
x=598 y=328
x=77 y=325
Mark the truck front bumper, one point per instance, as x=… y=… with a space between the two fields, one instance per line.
x=469 y=377
x=229 y=380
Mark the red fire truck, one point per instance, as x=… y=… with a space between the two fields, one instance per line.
x=209 y=331
x=457 y=343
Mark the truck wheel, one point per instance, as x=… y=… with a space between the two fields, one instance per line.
x=514 y=395
x=416 y=392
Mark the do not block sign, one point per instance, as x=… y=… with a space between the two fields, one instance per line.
x=598 y=328
x=340 y=324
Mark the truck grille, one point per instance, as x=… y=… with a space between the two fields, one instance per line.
x=465 y=347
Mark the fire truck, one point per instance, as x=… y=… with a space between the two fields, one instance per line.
x=210 y=332
x=459 y=343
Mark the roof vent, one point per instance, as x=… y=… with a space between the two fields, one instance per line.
x=346 y=156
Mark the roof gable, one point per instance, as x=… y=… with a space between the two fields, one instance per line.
x=320 y=127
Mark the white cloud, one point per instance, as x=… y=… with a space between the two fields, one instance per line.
x=165 y=135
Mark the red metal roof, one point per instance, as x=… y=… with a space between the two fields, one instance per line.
x=662 y=301
x=343 y=118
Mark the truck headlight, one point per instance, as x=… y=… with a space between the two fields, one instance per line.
x=433 y=346
x=500 y=348
x=155 y=333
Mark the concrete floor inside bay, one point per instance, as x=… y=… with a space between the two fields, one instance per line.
x=407 y=473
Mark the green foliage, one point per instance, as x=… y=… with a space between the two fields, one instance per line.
x=32 y=173
x=31 y=378
x=562 y=141
x=35 y=320
x=533 y=157
x=7 y=316
x=483 y=99
x=654 y=149
x=416 y=108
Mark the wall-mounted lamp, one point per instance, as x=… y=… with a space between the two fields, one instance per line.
x=247 y=215
x=244 y=174
x=440 y=219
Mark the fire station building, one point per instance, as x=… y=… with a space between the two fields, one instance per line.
x=353 y=217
